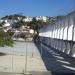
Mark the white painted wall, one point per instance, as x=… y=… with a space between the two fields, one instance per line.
x=74 y=29
x=65 y=30
x=61 y=30
x=70 y=29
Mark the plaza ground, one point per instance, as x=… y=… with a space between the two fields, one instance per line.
x=41 y=60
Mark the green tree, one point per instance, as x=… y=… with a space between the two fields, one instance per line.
x=5 y=39
x=36 y=24
x=20 y=23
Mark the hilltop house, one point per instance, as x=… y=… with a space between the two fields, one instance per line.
x=28 y=19
x=7 y=25
x=43 y=18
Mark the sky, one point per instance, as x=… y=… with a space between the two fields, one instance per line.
x=36 y=7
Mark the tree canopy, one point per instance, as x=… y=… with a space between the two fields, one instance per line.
x=5 y=39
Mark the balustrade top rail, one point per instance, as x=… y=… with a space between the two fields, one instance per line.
x=62 y=29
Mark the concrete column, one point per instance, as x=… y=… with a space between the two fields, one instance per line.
x=63 y=46
x=68 y=48
x=73 y=50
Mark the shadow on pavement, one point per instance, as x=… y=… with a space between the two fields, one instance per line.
x=2 y=54
x=56 y=62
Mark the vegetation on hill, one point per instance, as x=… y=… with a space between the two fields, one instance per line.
x=19 y=24
x=34 y=24
x=5 y=37
x=14 y=16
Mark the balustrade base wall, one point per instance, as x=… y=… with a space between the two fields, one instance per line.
x=64 y=46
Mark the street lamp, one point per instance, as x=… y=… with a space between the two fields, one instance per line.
x=41 y=46
x=26 y=58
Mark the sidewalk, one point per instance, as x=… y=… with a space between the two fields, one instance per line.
x=15 y=63
x=57 y=62
x=7 y=73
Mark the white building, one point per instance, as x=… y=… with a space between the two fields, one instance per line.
x=28 y=19
x=43 y=18
x=19 y=18
x=1 y=21
x=6 y=25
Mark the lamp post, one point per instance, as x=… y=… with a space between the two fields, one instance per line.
x=12 y=58
x=41 y=47
x=26 y=58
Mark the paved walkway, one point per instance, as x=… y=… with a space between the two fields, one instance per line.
x=14 y=59
x=57 y=62
x=8 y=73
x=40 y=60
